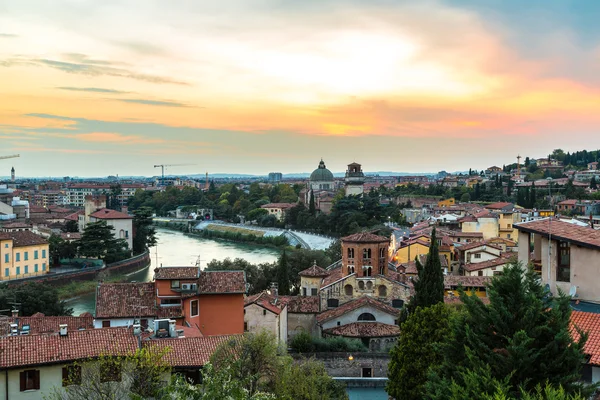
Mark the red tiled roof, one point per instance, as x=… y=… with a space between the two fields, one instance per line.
x=314 y=271
x=411 y=266
x=266 y=301
x=451 y=281
x=16 y=225
x=474 y=245
x=498 y=206
x=568 y=203
x=365 y=237
x=70 y=235
x=334 y=276
x=42 y=324
x=363 y=301
x=124 y=300
x=25 y=350
x=169 y=273
x=279 y=205
x=581 y=235
x=497 y=262
x=589 y=323
x=217 y=282
x=364 y=329
x=188 y=351
x=106 y=213
x=467 y=234
x=302 y=304
x=74 y=216
x=26 y=238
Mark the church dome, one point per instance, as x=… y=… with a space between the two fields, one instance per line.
x=321 y=174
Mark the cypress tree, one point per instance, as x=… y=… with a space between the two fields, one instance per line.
x=283 y=278
x=593 y=183
x=311 y=204
x=523 y=338
x=532 y=197
x=429 y=286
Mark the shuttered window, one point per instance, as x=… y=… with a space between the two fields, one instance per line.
x=30 y=379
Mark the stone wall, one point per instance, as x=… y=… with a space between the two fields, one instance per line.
x=339 y=364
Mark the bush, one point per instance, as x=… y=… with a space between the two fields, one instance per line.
x=304 y=343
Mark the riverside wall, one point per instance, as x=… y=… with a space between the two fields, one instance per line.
x=340 y=364
x=121 y=267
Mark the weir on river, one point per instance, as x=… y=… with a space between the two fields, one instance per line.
x=178 y=249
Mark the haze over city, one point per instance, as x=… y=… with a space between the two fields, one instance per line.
x=106 y=88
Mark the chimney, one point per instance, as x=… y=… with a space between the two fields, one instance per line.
x=137 y=330
x=15 y=313
x=63 y=329
x=172 y=329
x=274 y=289
x=124 y=209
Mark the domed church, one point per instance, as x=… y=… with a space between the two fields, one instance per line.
x=321 y=178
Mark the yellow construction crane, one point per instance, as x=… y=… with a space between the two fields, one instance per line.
x=162 y=167
x=11 y=156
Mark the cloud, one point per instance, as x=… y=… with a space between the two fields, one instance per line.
x=91 y=89
x=105 y=137
x=8 y=35
x=153 y=102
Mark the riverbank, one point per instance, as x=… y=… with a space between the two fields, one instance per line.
x=74 y=289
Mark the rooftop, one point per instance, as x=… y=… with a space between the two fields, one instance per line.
x=589 y=323
x=364 y=329
x=39 y=323
x=364 y=301
x=24 y=238
x=188 y=351
x=314 y=271
x=451 y=281
x=365 y=237
x=222 y=282
x=126 y=300
x=581 y=235
x=176 y=273
x=106 y=213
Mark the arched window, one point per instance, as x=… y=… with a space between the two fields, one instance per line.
x=350 y=269
x=369 y=285
x=366 y=317
x=368 y=271
x=350 y=252
x=382 y=291
x=122 y=234
x=366 y=253
x=361 y=285
x=382 y=252
x=348 y=290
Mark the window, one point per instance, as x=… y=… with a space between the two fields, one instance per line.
x=36 y=254
x=478 y=255
x=348 y=290
x=313 y=291
x=25 y=255
x=26 y=269
x=366 y=253
x=30 y=379
x=110 y=373
x=18 y=270
x=194 y=308
x=106 y=324
x=43 y=266
x=339 y=323
x=6 y=259
x=43 y=253
x=397 y=303
x=369 y=285
x=382 y=291
x=350 y=253
x=361 y=285
x=18 y=257
x=245 y=326
x=71 y=375
x=368 y=271
x=350 y=269
x=264 y=312
x=367 y=372
x=6 y=272
x=304 y=291
x=563 y=271
x=366 y=317
x=35 y=268
x=382 y=252
x=480 y=273
x=174 y=284
x=333 y=303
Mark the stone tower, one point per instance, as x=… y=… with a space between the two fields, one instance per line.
x=12 y=174
x=355 y=180
x=365 y=254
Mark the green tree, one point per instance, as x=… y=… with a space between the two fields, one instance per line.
x=429 y=285
x=593 y=183
x=307 y=380
x=283 y=276
x=522 y=338
x=465 y=198
x=112 y=200
x=416 y=351
x=311 y=204
x=71 y=226
x=31 y=298
x=98 y=241
x=145 y=234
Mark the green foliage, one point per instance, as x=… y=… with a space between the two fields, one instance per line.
x=60 y=249
x=305 y=343
x=523 y=337
x=33 y=297
x=417 y=351
x=283 y=276
x=278 y=241
x=429 y=286
x=70 y=226
x=145 y=234
x=98 y=241
x=308 y=380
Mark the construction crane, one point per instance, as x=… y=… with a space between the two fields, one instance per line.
x=162 y=167
x=11 y=156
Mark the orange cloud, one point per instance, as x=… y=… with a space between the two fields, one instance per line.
x=110 y=137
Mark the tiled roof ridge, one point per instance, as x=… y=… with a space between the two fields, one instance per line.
x=366 y=237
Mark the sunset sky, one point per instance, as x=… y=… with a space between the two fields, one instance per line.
x=96 y=88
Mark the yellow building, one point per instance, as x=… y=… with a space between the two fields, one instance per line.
x=409 y=251
x=506 y=225
x=23 y=254
x=447 y=203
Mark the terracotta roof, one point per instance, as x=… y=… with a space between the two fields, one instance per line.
x=568 y=203
x=176 y=273
x=364 y=301
x=581 y=235
x=266 y=301
x=74 y=216
x=16 y=225
x=590 y=323
x=467 y=234
x=106 y=213
x=188 y=351
x=314 y=271
x=499 y=205
x=487 y=264
x=26 y=238
x=279 y=205
x=25 y=350
x=451 y=281
x=474 y=245
x=365 y=237
x=364 y=329
x=70 y=235
x=124 y=300
x=411 y=266
x=303 y=304
x=42 y=324
x=334 y=275
x=217 y=282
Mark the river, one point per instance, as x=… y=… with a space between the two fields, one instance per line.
x=177 y=249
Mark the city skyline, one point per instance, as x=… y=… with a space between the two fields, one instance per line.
x=96 y=89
